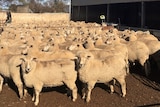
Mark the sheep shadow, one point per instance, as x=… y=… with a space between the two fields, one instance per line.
x=150 y=105
x=153 y=80
x=60 y=89
x=154 y=61
x=103 y=86
x=11 y=85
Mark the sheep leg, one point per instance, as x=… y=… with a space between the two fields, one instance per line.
x=84 y=90
x=122 y=82
x=146 y=66
x=111 y=85
x=18 y=82
x=34 y=96
x=142 y=61
x=37 y=91
x=111 y=89
x=72 y=86
x=1 y=82
x=25 y=91
x=89 y=89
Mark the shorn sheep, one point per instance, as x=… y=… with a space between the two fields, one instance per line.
x=137 y=51
x=39 y=74
x=10 y=68
x=94 y=71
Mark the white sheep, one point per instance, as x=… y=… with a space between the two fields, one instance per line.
x=104 y=70
x=150 y=41
x=58 y=53
x=137 y=51
x=39 y=74
x=9 y=67
x=116 y=49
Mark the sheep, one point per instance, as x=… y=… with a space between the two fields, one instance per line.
x=76 y=46
x=105 y=50
x=89 y=44
x=50 y=47
x=154 y=47
x=145 y=36
x=150 y=41
x=54 y=46
x=10 y=68
x=57 y=53
x=99 y=43
x=50 y=73
x=4 y=49
x=137 y=51
x=94 y=71
x=116 y=49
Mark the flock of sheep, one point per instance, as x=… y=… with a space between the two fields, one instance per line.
x=49 y=54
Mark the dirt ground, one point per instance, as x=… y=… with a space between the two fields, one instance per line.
x=141 y=92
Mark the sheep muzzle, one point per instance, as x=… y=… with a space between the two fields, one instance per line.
x=27 y=70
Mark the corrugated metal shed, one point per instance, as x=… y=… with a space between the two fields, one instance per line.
x=132 y=13
x=97 y=2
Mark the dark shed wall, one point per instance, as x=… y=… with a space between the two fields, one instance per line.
x=78 y=13
x=97 y=2
x=152 y=15
x=127 y=14
x=95 y=11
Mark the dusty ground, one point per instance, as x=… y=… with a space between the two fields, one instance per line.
x=141 y=92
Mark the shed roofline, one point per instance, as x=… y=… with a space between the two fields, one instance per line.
x=98 y=2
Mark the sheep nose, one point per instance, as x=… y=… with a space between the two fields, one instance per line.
x=80 y=65
x=27 y=70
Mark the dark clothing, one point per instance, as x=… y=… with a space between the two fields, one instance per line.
x=9 y=17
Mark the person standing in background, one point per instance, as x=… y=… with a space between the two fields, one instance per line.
x=9 y=17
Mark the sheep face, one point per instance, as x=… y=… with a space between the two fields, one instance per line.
x=46 y=48
x=75 y=46
x=83 y=58
x=27 y=64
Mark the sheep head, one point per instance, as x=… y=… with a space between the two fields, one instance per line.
x=84 y=57
x=27 y=64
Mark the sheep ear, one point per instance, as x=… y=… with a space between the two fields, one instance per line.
x=34 y=59
x=22 y=59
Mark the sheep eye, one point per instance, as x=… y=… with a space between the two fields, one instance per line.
x=88 y=57
x=31 y=46
x=50 y=40
x=78 y=45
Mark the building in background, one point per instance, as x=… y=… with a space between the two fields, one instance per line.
x=133 y=13
x=23 y=9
